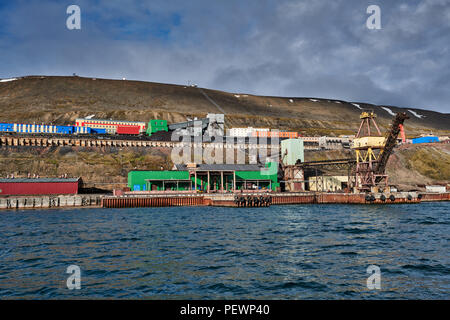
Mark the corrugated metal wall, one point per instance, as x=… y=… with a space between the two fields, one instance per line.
x=38 y=188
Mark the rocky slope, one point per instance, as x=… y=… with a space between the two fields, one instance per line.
x=60 y=100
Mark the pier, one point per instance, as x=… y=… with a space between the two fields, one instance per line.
x=253 y=200
x=141 y=199
x=45 y=202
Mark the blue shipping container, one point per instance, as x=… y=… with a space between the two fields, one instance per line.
x=82 y=130
x=64 y=129
x=6 y=127
x=430 y=139
x=98 y=130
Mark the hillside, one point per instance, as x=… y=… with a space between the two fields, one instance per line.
x=60 y=100
x=107 y=167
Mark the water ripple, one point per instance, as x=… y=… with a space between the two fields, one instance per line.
x=281 y=252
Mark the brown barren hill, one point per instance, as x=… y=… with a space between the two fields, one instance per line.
x=60 y=100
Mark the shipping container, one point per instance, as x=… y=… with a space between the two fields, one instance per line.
x=429 y=139
x=97 y=131
x=109 y=125
x=275 y=134
x=6 y=127
x=127 y=130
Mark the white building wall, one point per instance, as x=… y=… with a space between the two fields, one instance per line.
x=245 y=132
x=439 y=189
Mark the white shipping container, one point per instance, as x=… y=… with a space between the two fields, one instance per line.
x=440 y=189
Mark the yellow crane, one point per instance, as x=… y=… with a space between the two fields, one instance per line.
x=373 y=150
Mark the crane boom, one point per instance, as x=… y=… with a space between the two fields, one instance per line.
x=391 y=140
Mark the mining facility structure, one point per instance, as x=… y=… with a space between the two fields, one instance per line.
x=373 y=151
x=245 y=185
x=288 y=179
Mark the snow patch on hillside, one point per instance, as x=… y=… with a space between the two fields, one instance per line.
x=416 y=114
x=388 y=111
x=8 y=80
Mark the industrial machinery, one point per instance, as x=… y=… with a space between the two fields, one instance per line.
x=191 y=128
x=373 y=151
x=156 y=125
x=212 y=125
x=292 y=176
x=402 y=133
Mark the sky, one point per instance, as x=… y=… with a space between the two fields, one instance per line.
x=286 y=48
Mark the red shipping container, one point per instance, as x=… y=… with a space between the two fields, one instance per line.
x=127 y=129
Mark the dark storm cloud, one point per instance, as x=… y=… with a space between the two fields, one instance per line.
x=290 y=48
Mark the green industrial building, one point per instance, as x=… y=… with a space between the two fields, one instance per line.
x=156 y=125
x=207 y=178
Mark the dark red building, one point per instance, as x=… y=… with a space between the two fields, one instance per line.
x=39 y=186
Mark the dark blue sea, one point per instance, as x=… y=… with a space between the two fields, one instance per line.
x=281 y=252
